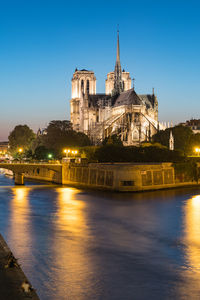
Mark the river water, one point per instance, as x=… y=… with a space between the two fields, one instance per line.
x=79 y=244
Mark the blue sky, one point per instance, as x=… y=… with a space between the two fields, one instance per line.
x=42 y=42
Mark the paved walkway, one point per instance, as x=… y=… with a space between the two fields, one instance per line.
x=12 y=277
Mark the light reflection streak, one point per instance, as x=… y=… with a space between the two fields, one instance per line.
x=73 y=265
x=70 y=210
x=192 y=232
x=19 y=232
x=189 y=288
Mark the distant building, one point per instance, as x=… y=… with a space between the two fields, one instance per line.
x=4 y=146
x=194 y=124
x=41 y=132
x=119 y=111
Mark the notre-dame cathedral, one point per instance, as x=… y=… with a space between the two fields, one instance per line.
x=119 y=111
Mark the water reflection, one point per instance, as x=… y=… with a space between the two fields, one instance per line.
x=190 y=273
x=19 y=233
x=70 y=211
x=192 y=232
x=73 y=265
x=76 y=244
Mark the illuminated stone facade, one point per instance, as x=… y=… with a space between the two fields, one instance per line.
x=119 y=111
x=126 y=79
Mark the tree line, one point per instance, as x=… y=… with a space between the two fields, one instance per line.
x=59 y=135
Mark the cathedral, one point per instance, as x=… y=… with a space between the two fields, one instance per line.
x=120 y=110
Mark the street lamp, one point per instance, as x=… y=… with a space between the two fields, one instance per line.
x=197 y=150
x=67 y=151
x=74 y=152
x=20 y=151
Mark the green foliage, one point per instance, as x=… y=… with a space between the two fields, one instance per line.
x=113 y=139
x=41 y=153
x=88 y=152
x=21 y=136
x=59 y=135
x=38 y=141
x=158 y=145
x=193 y=143
x=115 y=153
x=28 y=154
x=182 y=136
x=188 y=170
x=110 y=153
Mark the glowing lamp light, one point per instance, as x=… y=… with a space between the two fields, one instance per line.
x=197 y=149
x=50 y=155
x=20 y=150
x=67 y=151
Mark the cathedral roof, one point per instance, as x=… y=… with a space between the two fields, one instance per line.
x=148 y=100
x=93 y=99
x=83 y=70
x=127 y=98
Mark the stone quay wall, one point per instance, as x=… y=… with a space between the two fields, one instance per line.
x=120 y=176
x=113 y=176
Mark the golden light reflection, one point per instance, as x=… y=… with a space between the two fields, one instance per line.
x=190 y=273
x=19 y=233
x=192 y=232
x=71 y=257
x=70 y=210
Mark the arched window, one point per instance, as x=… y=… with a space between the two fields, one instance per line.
x=88 y=87
x=82 y=86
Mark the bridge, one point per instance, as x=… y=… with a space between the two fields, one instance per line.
x=20 y=170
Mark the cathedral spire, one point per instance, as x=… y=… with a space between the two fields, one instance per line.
x=118 y=53
x=118 y=83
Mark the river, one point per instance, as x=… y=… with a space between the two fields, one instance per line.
x=79 y=244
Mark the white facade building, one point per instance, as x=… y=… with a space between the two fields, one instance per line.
x=119 y=111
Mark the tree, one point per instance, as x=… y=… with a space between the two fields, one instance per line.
x=194 y=142
x=116 y=153
x=113 y=139
x=21 y=136
x=59 y=135
x=110 y=153
x=41 y=152
x=182 y=135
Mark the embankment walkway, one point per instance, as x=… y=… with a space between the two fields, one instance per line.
x=12 y=277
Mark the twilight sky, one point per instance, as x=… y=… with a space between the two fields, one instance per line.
x=42 y=42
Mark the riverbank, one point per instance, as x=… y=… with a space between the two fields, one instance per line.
x=120 y=177
x=12 y=279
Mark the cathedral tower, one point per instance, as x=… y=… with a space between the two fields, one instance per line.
x=83 y=82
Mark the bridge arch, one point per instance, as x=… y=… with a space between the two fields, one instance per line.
x=21 y=170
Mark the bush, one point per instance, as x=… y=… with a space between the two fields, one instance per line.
x=189 y=169
x=114 y=153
